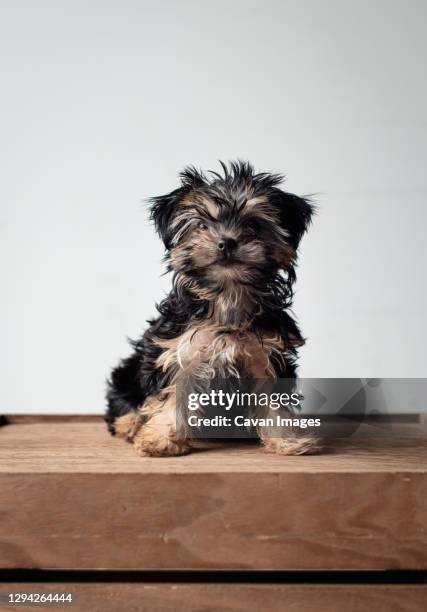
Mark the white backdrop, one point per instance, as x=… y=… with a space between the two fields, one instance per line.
x=103 y=102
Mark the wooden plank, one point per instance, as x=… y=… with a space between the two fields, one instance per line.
x=227 y=597
x=72 y=497
x=81 y=447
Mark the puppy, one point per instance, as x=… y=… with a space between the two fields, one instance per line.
x=231 y=242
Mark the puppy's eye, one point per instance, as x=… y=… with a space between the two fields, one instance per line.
x=202 y=226
x=251 y=232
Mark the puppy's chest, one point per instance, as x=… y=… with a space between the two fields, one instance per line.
x=206 y=351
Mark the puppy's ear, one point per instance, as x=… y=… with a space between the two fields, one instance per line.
x=295 y=214
x=164 y=208
x=162 y=211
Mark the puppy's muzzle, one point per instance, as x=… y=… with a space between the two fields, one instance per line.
x=225 y=248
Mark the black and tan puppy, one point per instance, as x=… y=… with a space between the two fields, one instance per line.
x=231 y=240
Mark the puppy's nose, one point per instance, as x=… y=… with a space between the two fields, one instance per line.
x=225 y=246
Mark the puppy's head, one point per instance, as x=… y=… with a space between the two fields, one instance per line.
x=237 y=227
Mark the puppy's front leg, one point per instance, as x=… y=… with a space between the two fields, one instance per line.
x=157 y=437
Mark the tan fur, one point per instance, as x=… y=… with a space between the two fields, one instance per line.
x=124 y=425
x=261 y=207
x=158 y=437
x=202 y=203
x=211 y=348
x=255 y=202
x=285 y=256
x=291 y=446
x=203 y=248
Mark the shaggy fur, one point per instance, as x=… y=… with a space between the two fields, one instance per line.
x=231 y=242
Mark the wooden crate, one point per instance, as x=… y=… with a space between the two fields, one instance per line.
x=72 y=497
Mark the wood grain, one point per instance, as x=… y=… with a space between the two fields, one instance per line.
x=228 y=597
x=71 y=497
x=85 y=447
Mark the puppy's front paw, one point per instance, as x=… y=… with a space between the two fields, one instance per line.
x=148 y=445
x=292 y=446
